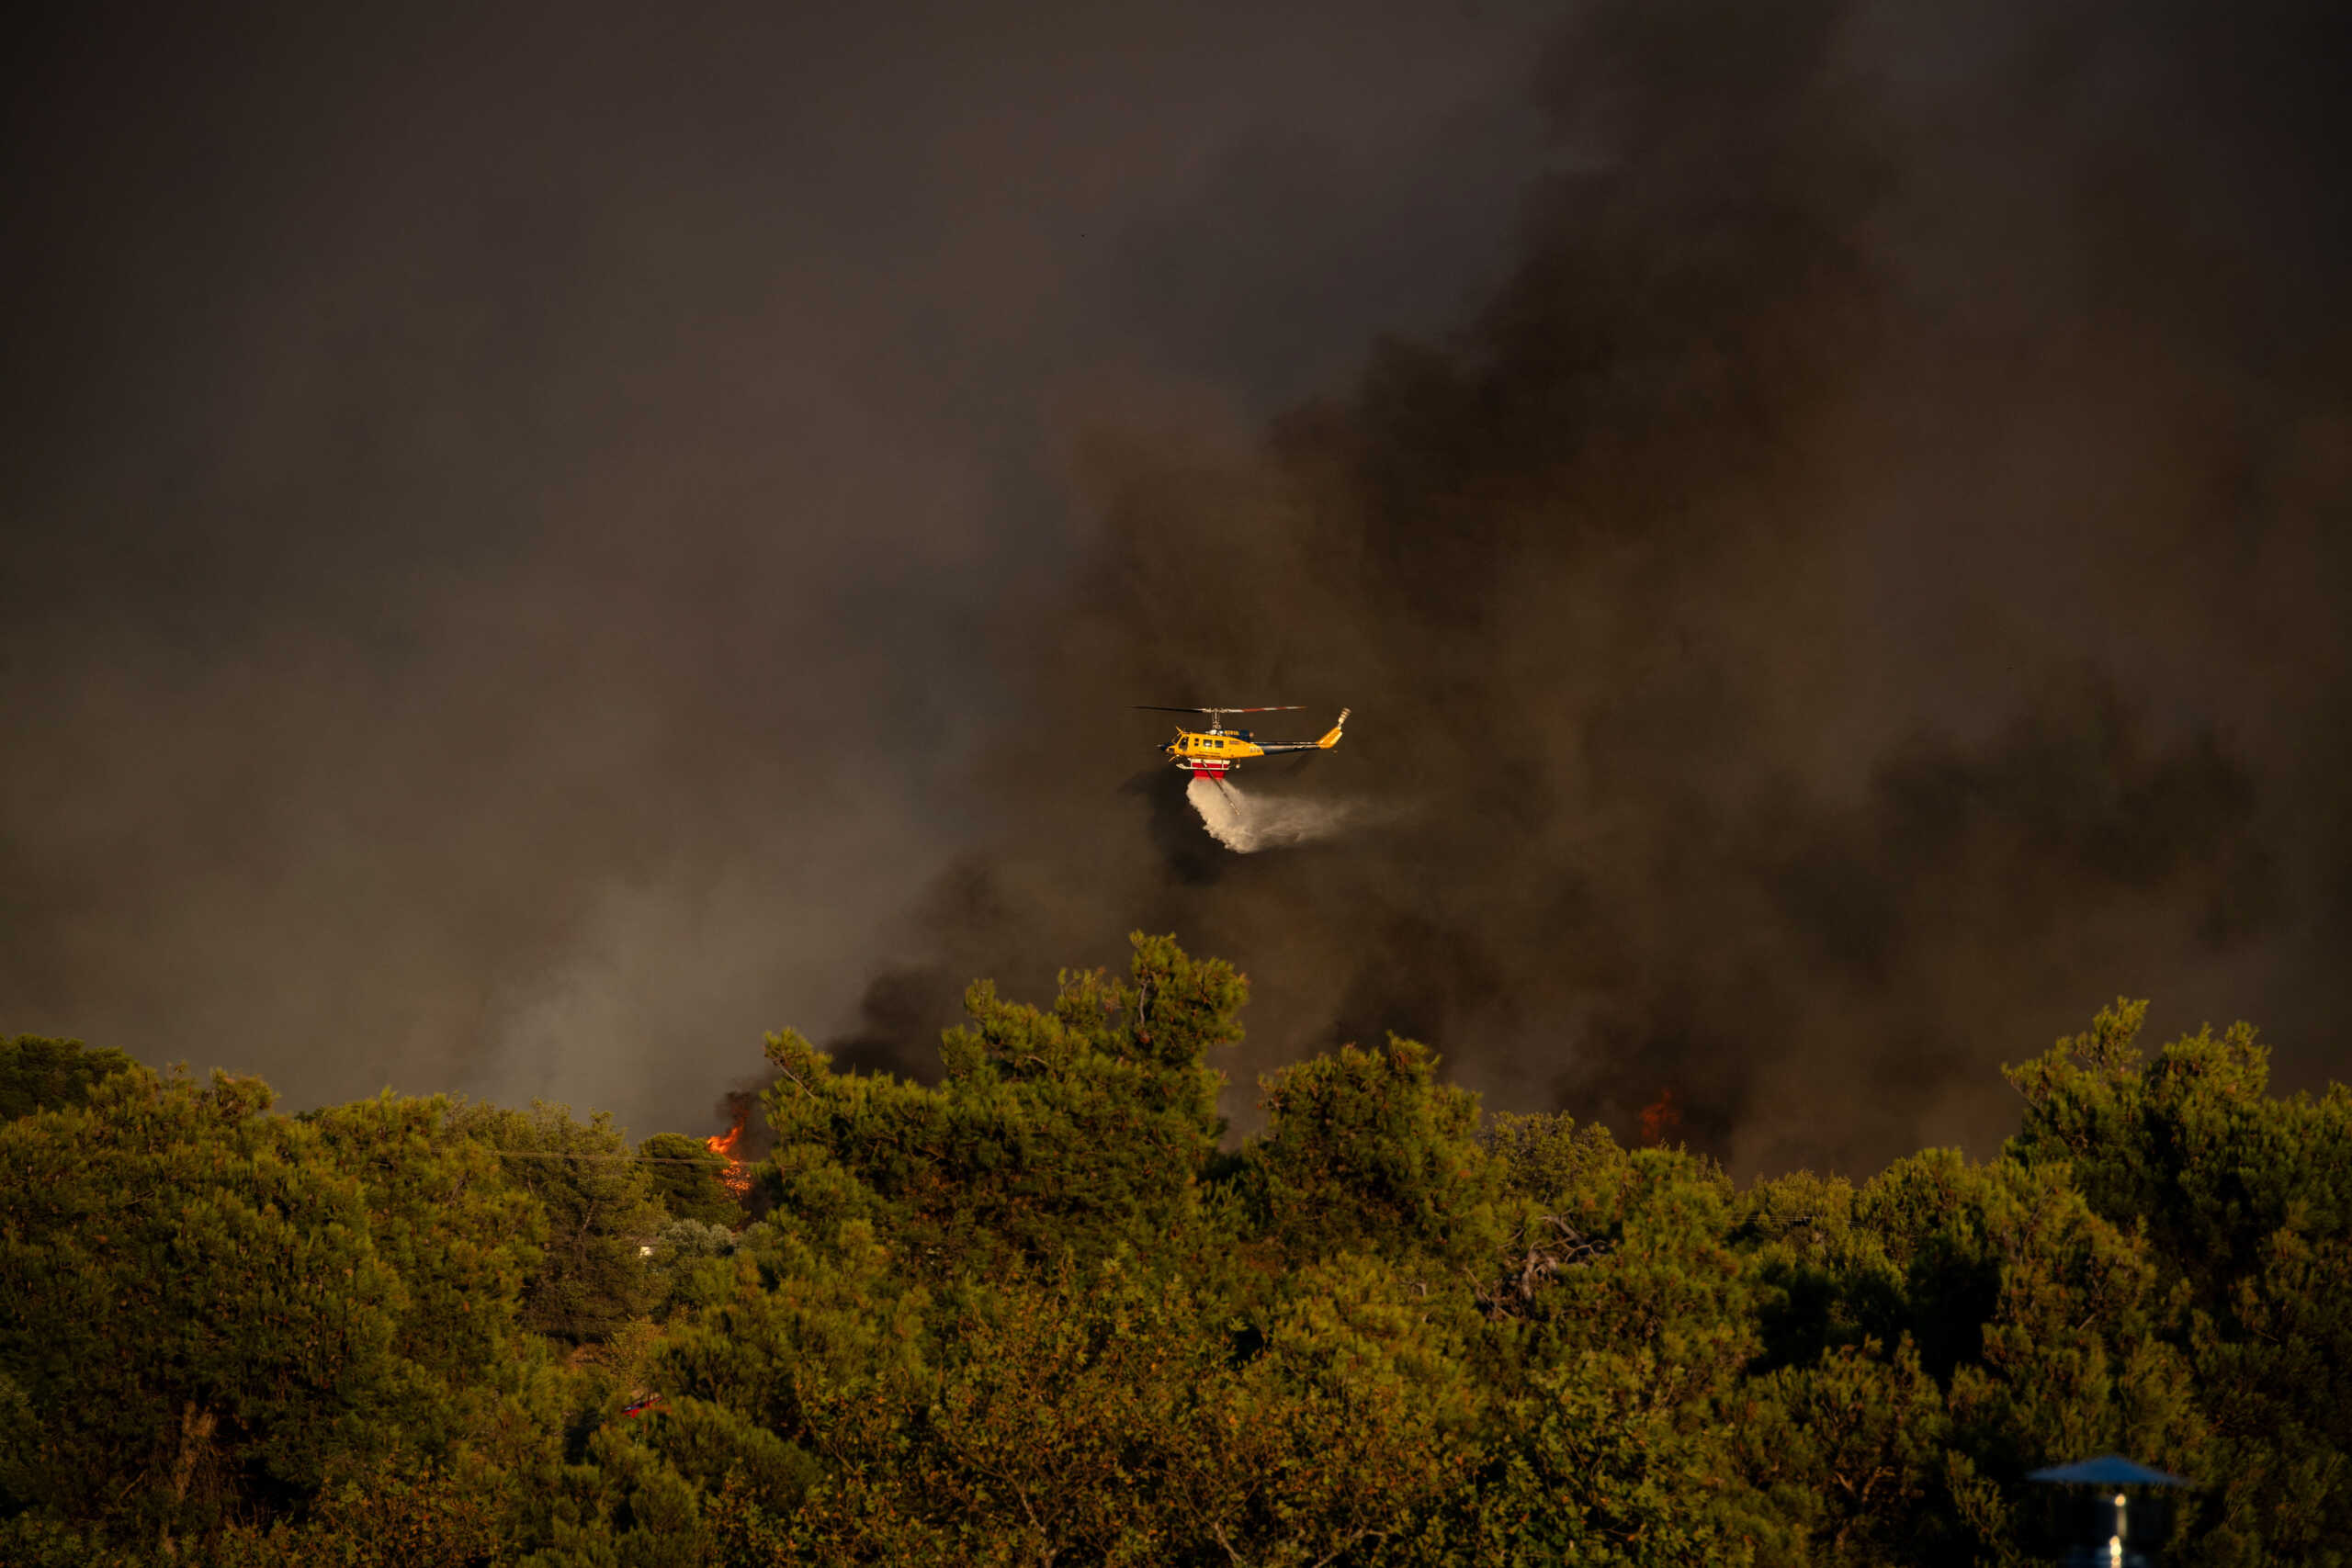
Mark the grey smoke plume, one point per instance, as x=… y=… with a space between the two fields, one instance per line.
x=504 y=504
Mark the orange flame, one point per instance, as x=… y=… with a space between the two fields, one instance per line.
x=736 y=1177
x=1661 y=1117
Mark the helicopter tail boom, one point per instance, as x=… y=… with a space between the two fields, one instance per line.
x=1331 y=739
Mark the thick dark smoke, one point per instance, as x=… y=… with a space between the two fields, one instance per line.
x=1867 y=591
x=502 y=501
x=547 y=537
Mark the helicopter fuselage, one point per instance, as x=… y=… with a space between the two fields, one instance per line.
x=1216 y=752
x=1211 y=751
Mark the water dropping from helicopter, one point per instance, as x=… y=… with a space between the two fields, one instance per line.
x=1247 y=823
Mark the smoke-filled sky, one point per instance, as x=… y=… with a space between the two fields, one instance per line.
x=543 y=543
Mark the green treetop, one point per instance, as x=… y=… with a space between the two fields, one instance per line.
x=1079 y=1128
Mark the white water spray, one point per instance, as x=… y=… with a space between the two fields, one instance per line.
x=1246 y=823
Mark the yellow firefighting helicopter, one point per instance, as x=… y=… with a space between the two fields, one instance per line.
x=1215 y=751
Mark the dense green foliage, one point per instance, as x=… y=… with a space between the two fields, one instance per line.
x=1039 y=1313
x=48 y=1075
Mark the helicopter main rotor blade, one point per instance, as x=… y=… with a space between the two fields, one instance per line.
x=1154 y=707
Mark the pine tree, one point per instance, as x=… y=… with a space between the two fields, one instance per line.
x=1074 y=1130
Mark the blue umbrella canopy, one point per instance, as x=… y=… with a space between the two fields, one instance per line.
x=2108 y=1469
